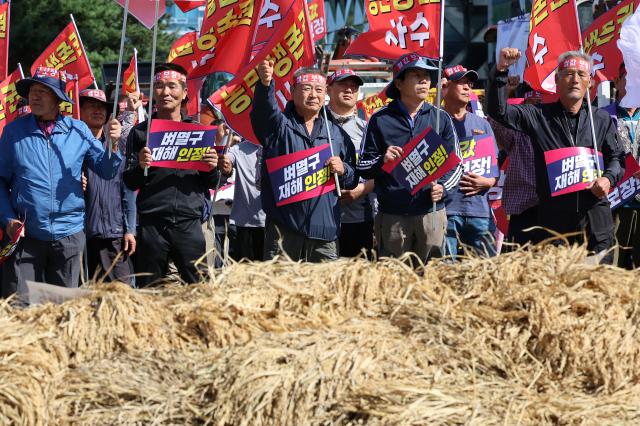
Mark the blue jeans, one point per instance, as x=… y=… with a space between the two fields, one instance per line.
x=472 y=232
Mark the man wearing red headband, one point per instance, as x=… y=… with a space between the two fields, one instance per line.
x=305 y=230
x=172 y=203
x=565 y=124
x=41 y=158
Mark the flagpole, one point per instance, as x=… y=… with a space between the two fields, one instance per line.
x=116 y=92
x=20 y=68
x=84 y=52
x=6 y=59
x=153 y=66
x=589 y=108
x=324 y=107
x=140 y=111
x=438 y=95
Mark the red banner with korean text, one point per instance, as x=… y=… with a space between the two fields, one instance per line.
x=290 y=48
x=4 y=40
x=317 y=19
x=194 y=87
x=71 y=109
x=66 y=53
x=553 y=31
x=145 y=10
x=400 y=27
x=373 y=103
x=628 y=187
x=600 y=41
x=227 y=31
x=9 y=99
x=130 y=77
x=269 y=20
x=187 y=5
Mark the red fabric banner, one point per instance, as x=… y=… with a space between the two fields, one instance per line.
x=553 y=31
x=66 y=53
x=317 y=19
x=145 y=10
x=227 y=34
x=187 y=5
x=130 y=77
x=9 y=99
x=271 y=14
x=4 y=40
x=290 y=48
x=373 y=103
x=600 y=41
x=194 y=86
x=67 y=108
x=400 y=27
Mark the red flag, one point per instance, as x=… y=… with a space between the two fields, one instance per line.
x=291 y=48
x=67 y=53
x=553 y=30
x=145 y=10
x=600 y=41
x=72 y=109
x=373 y=103
x=226 y=35
x=194 y=86
x=400 y=27
x=317 y=19
x=187 y=5
x=9 y=99
x=4 y=40
x=271 y=14
x=130 y=77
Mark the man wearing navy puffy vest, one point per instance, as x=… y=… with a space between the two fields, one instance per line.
x=41 y=158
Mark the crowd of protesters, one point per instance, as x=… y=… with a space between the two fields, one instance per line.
x=88 y=186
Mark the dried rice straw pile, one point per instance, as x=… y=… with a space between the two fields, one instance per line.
x=533 y=337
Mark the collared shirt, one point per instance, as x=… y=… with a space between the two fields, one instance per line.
x=519 y=190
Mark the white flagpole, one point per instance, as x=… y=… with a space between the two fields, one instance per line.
x=20 y=68
x=140 y=111
x=439 y=95
x=153 y=66
x=589 y=109
x=116 y=92
x=324 y=107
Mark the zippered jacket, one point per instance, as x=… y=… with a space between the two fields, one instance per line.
x=390 y=126
x=40 y=177
x=548 y=129
x=283 y=133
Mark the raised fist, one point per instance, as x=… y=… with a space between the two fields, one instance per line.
x=508 y=57
x=265 y=71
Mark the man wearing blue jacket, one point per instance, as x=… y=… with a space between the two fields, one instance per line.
x=111 y=206
x=405 y=222
x=306 y=230
x=41 y=158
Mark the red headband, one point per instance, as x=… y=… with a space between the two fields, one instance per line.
x=577 y=63
x=448 y=72
x=50 y=72
x=311 y=78
x=170 y=75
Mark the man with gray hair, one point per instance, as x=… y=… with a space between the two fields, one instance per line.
x=565 y=124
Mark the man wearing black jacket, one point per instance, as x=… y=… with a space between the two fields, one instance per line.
x=560 y=125
x=171 y=202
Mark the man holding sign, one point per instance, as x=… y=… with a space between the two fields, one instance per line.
x=572 y=197
x=302 y=154
x=403 y=150
x=468 y=212
x=172 y=201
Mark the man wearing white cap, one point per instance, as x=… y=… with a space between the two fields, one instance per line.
x=41 y=159
x=111 y=206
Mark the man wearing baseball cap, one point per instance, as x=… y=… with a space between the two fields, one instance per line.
x=405 y=222
x=172 y=203
x=468 y=212
x=111 y=206
x=306 y=230
x=41 y=158
x=357 y=204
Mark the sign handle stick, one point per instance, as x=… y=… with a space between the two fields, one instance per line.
x=115 y=90
x=335 y=175
x=153 y=67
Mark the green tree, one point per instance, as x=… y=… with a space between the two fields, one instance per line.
x=35 y=23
